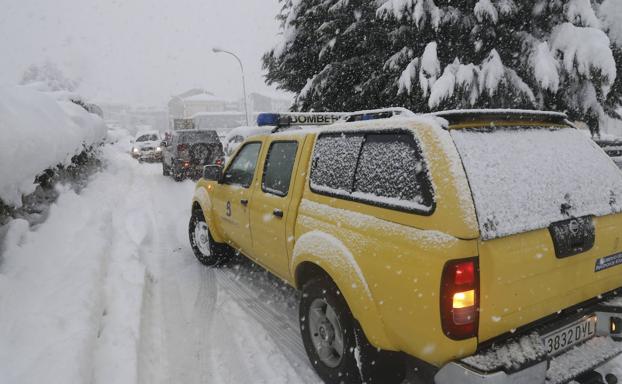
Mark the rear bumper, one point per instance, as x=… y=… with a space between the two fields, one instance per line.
x=523 y=360
x=184 y=168
x=150 y=155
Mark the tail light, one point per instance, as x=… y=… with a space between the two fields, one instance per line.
x=460 y=299
x=182 y=147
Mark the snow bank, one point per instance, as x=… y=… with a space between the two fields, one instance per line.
x=71 y=290
x=49 y=296
x=39 y=132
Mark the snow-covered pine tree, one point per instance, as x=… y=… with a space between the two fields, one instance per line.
x=429 y=55
x=548 y=54
x=329 y=54
x=610 y=12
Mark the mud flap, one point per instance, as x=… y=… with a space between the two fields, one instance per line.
x=377 y=366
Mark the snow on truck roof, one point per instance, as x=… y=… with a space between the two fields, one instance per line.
x=377 y=114
x=409 y=122
x=148 y=132
x=453 y=117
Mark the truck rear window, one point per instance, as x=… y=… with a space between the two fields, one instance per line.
x=524 y=178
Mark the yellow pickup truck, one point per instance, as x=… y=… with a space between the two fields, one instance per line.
x=476 y=246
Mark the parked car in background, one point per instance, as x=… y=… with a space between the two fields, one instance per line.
x=146 y=146
x=236 y=136
x=188 y=151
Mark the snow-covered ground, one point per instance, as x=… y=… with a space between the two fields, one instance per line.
x=107 y=290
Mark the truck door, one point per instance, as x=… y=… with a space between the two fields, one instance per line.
x=270 y=206
x=232 y=197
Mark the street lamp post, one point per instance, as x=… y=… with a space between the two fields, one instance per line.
x=220 y=50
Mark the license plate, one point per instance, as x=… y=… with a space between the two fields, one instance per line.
x=564 y=338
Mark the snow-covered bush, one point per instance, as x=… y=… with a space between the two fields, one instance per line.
x=428 y=55
x=50 y=75
x=40 y=130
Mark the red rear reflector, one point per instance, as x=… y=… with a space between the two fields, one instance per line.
x=464 y=273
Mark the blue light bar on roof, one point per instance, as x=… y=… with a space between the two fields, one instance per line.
x=268 y=119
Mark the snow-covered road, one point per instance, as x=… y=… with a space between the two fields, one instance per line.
x=107 y=290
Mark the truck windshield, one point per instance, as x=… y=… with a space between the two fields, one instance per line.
x=524 y=178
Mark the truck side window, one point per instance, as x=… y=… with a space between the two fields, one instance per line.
x=278 y=168
x=384 y=169
x=334 y=162
x=242 y=168
x=391 y=170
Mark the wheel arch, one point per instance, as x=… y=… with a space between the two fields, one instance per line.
x=319 y=255
x=202 y=201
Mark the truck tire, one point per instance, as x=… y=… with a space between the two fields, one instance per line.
x=335 y=342
x=206 y=250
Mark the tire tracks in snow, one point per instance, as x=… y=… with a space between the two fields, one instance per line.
x=262 y=298
x=202 y=325
x=283 y=329
x=179 y=297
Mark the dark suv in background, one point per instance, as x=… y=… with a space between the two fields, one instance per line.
x=613 y=147
x=188 y=151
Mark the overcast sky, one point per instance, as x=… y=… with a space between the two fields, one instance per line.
x=140 y=51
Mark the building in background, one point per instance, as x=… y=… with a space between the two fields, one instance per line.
x=134 y=118
x=202 y=109
x=262 y=103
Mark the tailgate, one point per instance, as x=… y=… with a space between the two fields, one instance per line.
x=524 y=278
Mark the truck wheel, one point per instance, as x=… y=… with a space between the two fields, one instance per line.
x=327 y=329
x=206 y=250
x=336 y=344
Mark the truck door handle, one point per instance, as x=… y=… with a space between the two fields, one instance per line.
x=244 y=202
x=277 y=212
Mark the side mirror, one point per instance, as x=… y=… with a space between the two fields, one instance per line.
x=212 y=172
